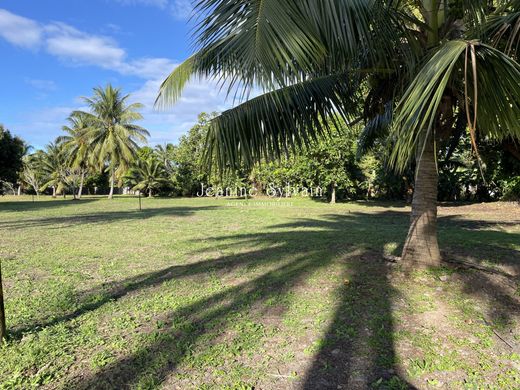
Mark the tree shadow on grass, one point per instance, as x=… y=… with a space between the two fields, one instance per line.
x=38 y=204
x=357 y=349
x=482 y=241
x=93 y=299
x=103 y=217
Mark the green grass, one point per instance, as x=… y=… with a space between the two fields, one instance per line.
x=205 y=293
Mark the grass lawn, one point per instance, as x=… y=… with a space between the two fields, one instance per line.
x=206 y=293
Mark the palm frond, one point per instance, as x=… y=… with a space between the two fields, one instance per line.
x=502 y=27
x=497 y=90
x=272 y=124
x=272 y=43
x=172 y=87
x=376 y=128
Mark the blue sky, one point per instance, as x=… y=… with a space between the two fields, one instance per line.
x=53 y=52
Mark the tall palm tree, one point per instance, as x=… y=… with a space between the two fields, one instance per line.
x=113 y=134
x=146 y=175
x=78 y=146
x=415 y=70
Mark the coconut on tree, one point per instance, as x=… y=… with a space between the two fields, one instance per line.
x=113 y=135
x=415 y=71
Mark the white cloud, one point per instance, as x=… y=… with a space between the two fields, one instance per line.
x=79 y=48
x=148 y=68
x=68 y=43
x=19 y=31
x=169 y=125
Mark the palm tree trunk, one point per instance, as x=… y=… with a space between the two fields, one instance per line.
x=421 y=248
x=150 y=193
x=53 y=191
x=111 y=194
x=19 y=190
x=333 y=194
x=80 y=190
x=3 y=329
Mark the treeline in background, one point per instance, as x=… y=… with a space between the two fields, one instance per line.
x=101 y=152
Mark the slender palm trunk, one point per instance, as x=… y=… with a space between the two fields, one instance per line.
x=421 y=248
x=3 y=329
x=19 y=190
x=150 y=193
x=53 y=191
x=333 y=194
x=80 y=190
x=111 y=194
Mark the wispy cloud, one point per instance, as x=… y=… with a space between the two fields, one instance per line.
x=42 y=85
x=19 y=31
x=181 y=9
x=155 y=3
x=147 y=68
x=68 y=43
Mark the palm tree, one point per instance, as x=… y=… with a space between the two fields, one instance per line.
x=32 y=173
x=54 y=165
x=113 y=135
x=77 y=146
x=146 y=175
x=166 y=155
x=413 y=70
x=26 y=149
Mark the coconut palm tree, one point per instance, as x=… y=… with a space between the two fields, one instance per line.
x=165 y=154
x=77 y=146
x=20 y=182
x=146 y=175
x=32 y=173
x=414 y=70
x=54 y=166
x=112 y=133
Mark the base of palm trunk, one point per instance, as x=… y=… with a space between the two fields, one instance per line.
x=421 y=248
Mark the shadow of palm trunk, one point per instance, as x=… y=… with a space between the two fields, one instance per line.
x=187 y=325
x=358 y=348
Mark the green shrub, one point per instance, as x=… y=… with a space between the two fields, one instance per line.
x=512 y=189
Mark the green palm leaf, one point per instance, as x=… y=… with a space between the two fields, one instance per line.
x=270 y=125
x=497 y=78
x=272 y=43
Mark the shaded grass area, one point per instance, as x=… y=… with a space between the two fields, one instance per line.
x=194 y=293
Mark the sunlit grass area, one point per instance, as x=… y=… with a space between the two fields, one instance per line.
x=207 y=293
